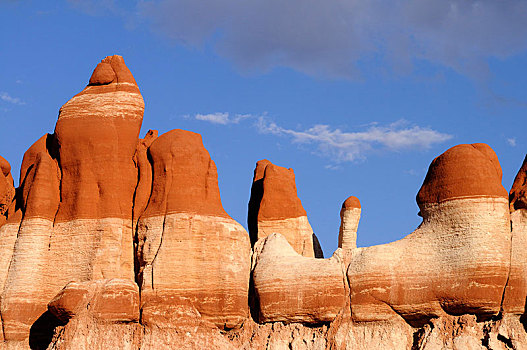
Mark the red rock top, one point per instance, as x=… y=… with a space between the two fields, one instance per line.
x=279 y=196
x=96 y=136
x=185 y=177
x=351 y=202
x=7 y=190
x=463 y=171
x=111 y=70
x=5 y=167
x=518 y=193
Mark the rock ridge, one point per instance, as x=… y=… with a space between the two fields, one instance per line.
x=121 y=242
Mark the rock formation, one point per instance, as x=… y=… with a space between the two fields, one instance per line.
x=349 y=222
x=274 y=207
x=190 y=251
x=456 y=262
x=116 y=242
x=293 y=288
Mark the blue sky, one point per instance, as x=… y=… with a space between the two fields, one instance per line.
x=356 y=96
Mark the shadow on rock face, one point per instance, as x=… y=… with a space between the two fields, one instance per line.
x=41 y=332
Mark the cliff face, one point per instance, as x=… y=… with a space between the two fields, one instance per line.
x=112 y=241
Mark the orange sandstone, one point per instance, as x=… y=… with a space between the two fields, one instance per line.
x=275 y=207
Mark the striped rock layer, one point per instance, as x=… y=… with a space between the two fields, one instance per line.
x=293 y=288
x=349 y=223
x=116 y=242
x=456 y=262
x=190 y=251
x=96 y=203
x=274 y=207
x=76 y=198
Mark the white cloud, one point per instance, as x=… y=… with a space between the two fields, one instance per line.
x=4 y=96
x=512 y=141
x=337 y=38
x=348 y=146
x=221 y=118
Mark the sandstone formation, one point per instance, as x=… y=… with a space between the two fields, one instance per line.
x=274 y=207
x=293 y=288
x=456 y=262
x=115 y=242
x=7 y=190
x=190 y=251
x=76 y=197
x=349 y=222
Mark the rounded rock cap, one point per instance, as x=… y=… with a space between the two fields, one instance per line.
x=351 y=203
x=463 y=171
x=112 y=69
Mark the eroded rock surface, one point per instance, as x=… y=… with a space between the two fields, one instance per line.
x=456 y=262
x=292 y=288
x=349 y=222
x=190 y=251
x=116 y=242
x=274 y=207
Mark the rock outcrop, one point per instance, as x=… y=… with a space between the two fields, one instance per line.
x=7 y=189
x=292 y=288
x=456 y=262
x=191 y=253
x=116 y=242
x=349 y=222
x=76 y=198
x=274 y=207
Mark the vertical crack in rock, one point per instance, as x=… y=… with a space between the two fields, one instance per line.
x=508 y=274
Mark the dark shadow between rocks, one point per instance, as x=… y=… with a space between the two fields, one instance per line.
x=41 y=332
x=254 y=208
x=317 y=249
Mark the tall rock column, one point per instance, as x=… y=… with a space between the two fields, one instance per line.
x=194 y=258
x=274 y=207
x=76 y=198
x=349 y=222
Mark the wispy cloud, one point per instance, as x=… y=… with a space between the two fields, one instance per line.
x=222 y=118
x=4 y=96
x=512 y=141
x=336 y=38
x=339 y=145
x=348 y=146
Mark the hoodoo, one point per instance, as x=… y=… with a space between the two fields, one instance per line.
x=349 y=222
x=456 y=262
x=115 y=242
x=275 y=207
x=191 y=252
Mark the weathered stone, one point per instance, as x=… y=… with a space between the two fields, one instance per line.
x=456 y=262
x=274 y=207
x=349 y=222
x=76 y=198
x=293 y=288
x=190 y=251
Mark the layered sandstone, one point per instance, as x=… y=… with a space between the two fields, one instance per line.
x=76 y=198
x=116 y=242
x=274 y=207
x=456 y=262
x=191 y=253
x=349 y=222
x=293 y=288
